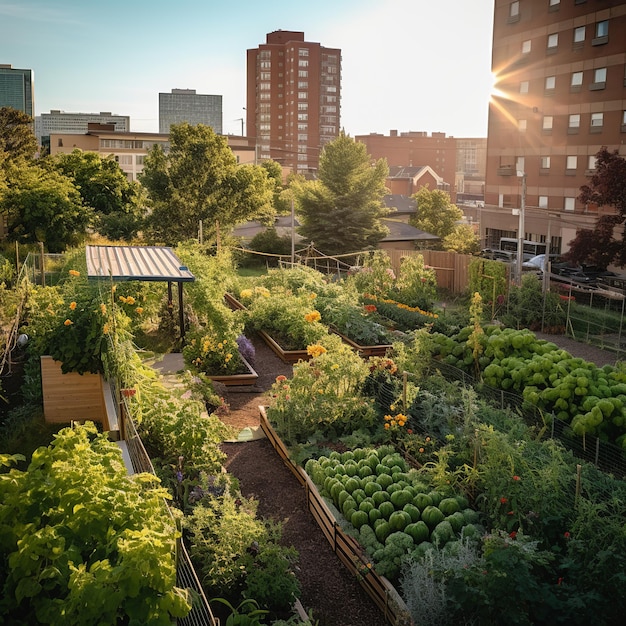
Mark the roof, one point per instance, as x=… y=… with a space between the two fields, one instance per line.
x=148 y=263
x=401 y=203
x=401 y=231
x=402 y=172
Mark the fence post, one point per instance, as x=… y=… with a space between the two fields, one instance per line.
x=597 y=451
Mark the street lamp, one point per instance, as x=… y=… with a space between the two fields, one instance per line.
x=521 y=228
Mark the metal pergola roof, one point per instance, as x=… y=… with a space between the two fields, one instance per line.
x=146 y=263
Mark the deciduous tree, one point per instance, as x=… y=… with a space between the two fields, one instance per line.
x=435 y=214
x=199 y=180
x=16 y=134
x=44 y=206
x=118 y=203
x=607 y=187
x=342 y=210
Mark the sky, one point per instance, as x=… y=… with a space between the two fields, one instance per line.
x=407 y=65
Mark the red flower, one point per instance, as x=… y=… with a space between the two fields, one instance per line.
x=515 y=477
x=503 y=500
x=513 y=534
x=511 y=513
x=559 y=581
x=409 y=431
x=566 y=534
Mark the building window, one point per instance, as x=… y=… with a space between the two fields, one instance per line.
x=303 y=52
x=553 y=41
x=571 y=163
x=303 y=84
x=574 y=120
x=597 y=121
x=523 y=86
x=264 y=96
x=266 y=65
x=577 y=79
x=302 y=95
x=624 y=121
x=303 y=74
x=550 y=83
x=544 y=162
x=526 y=46
x=303 y=106
x=303 y=117
x=514 y=11
x=554 y=3
x=569 y=204
x=543 y=202
x=599 y=79
x=591 y=162
x=303 y=63
x=602 y=33
x=579 y=34
x=264 y=86
x=548 y=120
x=521 y=125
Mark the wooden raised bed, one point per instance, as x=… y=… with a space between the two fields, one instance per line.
x=232 y=302
x=364 y=351
x=350 y=553
x=232 y=380
x=287 y=356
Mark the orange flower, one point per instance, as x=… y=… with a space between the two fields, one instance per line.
x=139 y=310
x=103 y=308
x=74 y=273
x=68 y=322
x=72 y=305
x=130 y=300
x=313 y=316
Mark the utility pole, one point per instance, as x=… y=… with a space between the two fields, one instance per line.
x=520 y=229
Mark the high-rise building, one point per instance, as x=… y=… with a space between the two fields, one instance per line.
x=293 y=99
x=16 y=89
x=185 y=105
x=76 y=123
x=560 y=68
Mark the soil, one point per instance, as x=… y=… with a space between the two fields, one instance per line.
x=327 y=588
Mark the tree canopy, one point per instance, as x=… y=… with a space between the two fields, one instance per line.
x=44 y=206
x=342 y=210
x=16 y=134
x=607 y=187
x=117 y=202
x=438 y=216
x=199 y=180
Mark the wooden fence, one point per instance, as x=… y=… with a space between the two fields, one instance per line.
x=452 y=269
x=345 y=547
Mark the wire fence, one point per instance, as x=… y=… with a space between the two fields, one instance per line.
x=604 y=455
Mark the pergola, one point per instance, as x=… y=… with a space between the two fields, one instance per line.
x=144 y=263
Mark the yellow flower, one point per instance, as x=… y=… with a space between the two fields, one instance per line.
x=246 y=293
x=312 y=295
x=334 y=366
x=72 y=305
x=105 y=329
x=386 y=426
x=315 y=350
x=74 y=273
x=313 y=316
x=130 y=300
x=123 y=299
x=103 y=308
x=139 y=310
x=68 y=322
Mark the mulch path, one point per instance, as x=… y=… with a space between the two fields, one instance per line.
x=328 y=589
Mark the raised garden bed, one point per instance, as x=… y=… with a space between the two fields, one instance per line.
x=231 y=380
x=287 y=356
x=364 y=351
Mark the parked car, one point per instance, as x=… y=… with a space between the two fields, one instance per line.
x=498 y=255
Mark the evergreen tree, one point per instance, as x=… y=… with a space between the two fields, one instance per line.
x=342 y=210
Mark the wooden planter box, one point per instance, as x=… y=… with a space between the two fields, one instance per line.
x=234 y=380
x=287 y=356
x=364 y=351
x=75 y=396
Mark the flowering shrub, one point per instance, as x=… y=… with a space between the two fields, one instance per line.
x=375 y=276
x=324 y=395
x=416 y=285
x=213 y=352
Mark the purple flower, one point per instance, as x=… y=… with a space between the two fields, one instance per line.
x=179 y=476
x=246 y=348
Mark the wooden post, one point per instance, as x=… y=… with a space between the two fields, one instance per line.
x=42 y=265
x=181 y=312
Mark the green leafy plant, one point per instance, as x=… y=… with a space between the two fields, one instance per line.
x=102 y=559
x=324 y=395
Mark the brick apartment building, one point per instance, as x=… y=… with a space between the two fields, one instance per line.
x=560 y=68
x=293 y=99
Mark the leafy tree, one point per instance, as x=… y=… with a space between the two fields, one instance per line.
x=342 y=210
x=16 y=134
x=103 y=186
x=462 y=239
x=199 y=180
x=43 y=206
x=607 y=187
x=281 y=201
x=437 y=215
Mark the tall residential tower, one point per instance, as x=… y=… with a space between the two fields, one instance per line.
x=185 y=105
x=560 y=68
x=293 y=99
